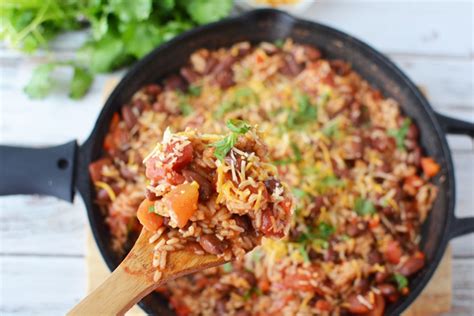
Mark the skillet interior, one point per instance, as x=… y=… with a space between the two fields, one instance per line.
x=270 y=25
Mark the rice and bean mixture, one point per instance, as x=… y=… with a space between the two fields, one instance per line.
x=212 y=194
x=358 y=174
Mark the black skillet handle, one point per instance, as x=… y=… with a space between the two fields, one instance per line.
x=454 y=126
x=459 y=226
x=45 y=171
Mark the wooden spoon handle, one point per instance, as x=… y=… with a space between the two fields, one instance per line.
x=119 y=292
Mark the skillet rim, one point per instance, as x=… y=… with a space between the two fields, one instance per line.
x=86 y=150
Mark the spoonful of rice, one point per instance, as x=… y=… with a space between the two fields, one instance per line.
x=210 y=199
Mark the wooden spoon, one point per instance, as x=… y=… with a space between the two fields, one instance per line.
x=133 y=278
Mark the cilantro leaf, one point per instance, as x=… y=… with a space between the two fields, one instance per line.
x=364 y=207
x=332 y=181
x=41 y=81
x=304 y=114
x=194 y=90
x=151 y=209
x=141 y=38
x=81 y=82
x=299 y=193
x=135 y=10
x=105 y=54
x=225 y=145
x=401 y=133
x=227 y=267
x=304 y=253
x=206 y=11
x=238 y=126
x=401 y=281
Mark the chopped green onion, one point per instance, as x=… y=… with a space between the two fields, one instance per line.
x=151 y=209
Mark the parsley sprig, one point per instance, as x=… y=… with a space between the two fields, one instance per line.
x=237 y=127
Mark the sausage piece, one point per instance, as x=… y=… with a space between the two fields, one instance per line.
x=212 y=244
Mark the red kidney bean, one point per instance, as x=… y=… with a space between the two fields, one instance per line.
x=413 y=132
x=243 y=221
x=150 y=196
x=374 y=257
x=211 y=63
x=152 y=89
x=293 y=67
x=380 y=277
x=330 y=255
x=102 y=196
x=311 y=53
x=361 y=285
x=205 y=186
x=189 y=74
x=355 y=306
x=388 y=290
x=341 y=67
x=412 y=265
x=193 y=246
x=225 y=79
x=271 y=184
x=129 y=117
x=212 y=244
x=242 y=312
x=175 y=82
x=379 y=306
x=224 y=64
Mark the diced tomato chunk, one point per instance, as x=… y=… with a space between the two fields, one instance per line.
x=156 y=173
x=183 y=159
x=95 y=168
x=150 y=220
x=182 y=202
x=429 y=166
x=412 y=184
x=393 y=253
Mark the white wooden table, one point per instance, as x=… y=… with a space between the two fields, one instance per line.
x=42 y=239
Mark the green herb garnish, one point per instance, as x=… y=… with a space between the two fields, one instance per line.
x=364 y=207
x=42 y=82
x=227 y=267
x=304 y=253
x=242 y=97
x=195 y=91
x=184 y=106
x=331 y=129
x=299 y=193
x=121 y=31
x=223 y=146
x=401 y=133
x=318 y=235
x=151 y=209
x=304 y=114
x=401 y=281
x=297 y=152
x=332 y=181
x=279 y=43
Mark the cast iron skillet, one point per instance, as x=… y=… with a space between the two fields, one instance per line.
x=59 y=171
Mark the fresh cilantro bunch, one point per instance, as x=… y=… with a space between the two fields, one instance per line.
x=121 y=31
